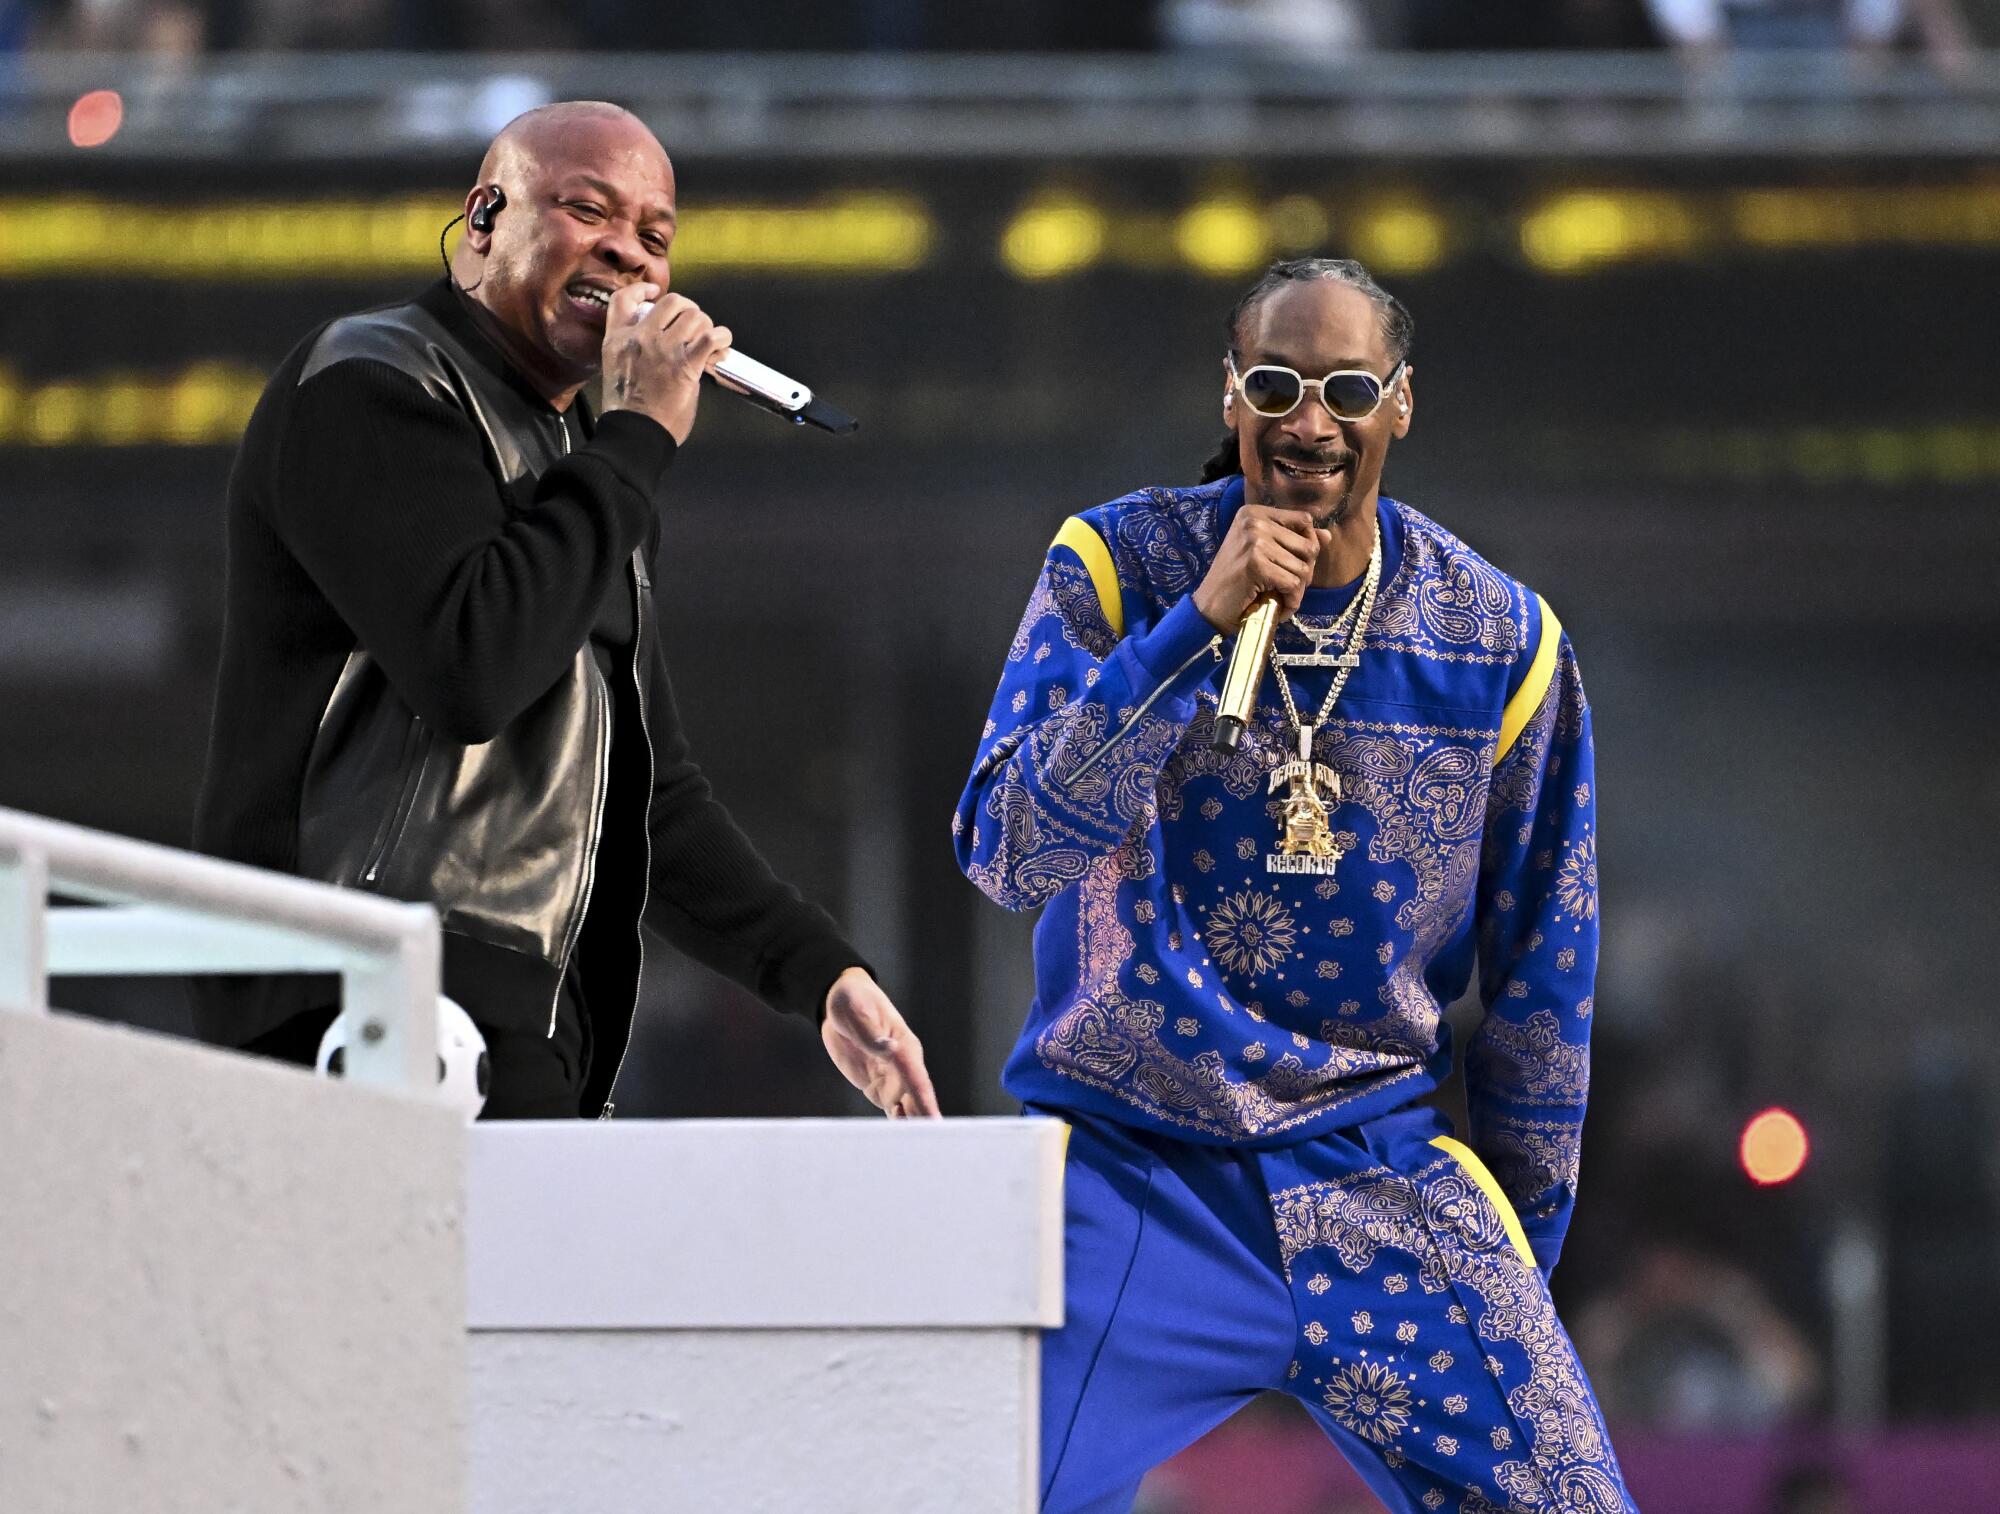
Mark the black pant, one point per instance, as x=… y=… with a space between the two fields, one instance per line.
x=531 y=1076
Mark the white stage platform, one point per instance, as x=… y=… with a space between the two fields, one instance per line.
x=726 y=1317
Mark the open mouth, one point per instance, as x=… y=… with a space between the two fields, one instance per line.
x=1309 y=473
x=591 y=298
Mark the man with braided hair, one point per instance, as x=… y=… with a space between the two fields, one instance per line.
x=1244 y=955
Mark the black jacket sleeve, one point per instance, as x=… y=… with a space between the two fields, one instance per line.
x=714 y=896
x=472 y=605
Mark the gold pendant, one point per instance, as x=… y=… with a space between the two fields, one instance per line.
x=1305 y=841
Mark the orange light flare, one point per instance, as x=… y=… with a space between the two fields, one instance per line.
x=95 y=118
x=1774 y=1147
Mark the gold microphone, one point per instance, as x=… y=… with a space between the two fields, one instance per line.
x=1246 y=672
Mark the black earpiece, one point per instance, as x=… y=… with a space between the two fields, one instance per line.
x=481 y=218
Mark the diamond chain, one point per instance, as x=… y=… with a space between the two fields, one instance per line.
x=1362 y=608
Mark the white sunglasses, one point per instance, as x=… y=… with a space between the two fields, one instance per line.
x=1274 y=391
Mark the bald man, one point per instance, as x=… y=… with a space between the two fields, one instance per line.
x=442 y=676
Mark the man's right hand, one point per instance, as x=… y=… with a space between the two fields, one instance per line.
x=653 y=361
x=1267 y=551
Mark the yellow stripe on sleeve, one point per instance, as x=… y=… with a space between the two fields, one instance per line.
x=1528 y=698
x=1489 y=1185
x=1081 y=538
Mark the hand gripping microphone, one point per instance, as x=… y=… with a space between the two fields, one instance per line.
x=1246 y=671
x=768 y=389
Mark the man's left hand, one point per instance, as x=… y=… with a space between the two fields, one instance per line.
x=875 y=1049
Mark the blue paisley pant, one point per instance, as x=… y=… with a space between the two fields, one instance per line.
x=1376 y=1273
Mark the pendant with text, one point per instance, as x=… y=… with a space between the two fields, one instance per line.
x=1305 y=840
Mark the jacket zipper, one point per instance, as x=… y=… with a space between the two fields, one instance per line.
x=590 y=848
x=416 y=756
x=1212 y=645
x=602 y=786
x=645 y=838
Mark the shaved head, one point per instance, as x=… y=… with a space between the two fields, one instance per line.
x=585 y=204
x=537 y=136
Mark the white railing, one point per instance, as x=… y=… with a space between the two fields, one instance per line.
x=154 y=911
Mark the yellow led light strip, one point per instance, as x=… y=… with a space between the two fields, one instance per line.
x=85 y=237
x=209 y=402
x=1058 y=234
x=1579 y=231
x=1922 y=216
x=205 y=405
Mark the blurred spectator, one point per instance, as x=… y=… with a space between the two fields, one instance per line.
x=363 y=25
x=1700 y=29
x=1306 y=30
x=1464 y=25
x=1689 y=1341
x=864 y=25
x=318 y=25
x=170 y=28
x=1942 y=1225
x=1952 y=30
x=1812 y=1487
x=1303 y=31
x=1968 y=23
x=1697 y=1307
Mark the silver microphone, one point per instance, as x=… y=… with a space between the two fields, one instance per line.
x=768 y=389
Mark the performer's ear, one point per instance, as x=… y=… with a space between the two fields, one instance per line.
x=489 y=205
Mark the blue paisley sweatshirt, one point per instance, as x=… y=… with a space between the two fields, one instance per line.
x=1184 y=986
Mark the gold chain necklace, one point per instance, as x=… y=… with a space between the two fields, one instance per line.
x=1305 y=840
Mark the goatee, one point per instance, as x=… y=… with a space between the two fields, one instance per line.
x=1342 y=508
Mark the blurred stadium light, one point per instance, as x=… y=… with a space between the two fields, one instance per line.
x=1774 y=1146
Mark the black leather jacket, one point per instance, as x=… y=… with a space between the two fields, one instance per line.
x=351 y=743
x=500 y=835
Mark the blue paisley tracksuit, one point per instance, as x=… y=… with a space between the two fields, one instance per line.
x=1254 y=1198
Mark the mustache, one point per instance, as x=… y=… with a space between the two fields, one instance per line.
x=1337 y=457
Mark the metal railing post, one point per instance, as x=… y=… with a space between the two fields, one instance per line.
x=391 y=1010
x=24 y=929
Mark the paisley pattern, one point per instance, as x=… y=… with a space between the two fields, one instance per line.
x=1421 y=1336
x=1164 y=540
x=1044 y=834
x=1448 y=603
x=1449 y=787
x=1110 y=1040
x=1532 y=1061
x=1533 y=1156
x=1187 y=987
x=1380 y=1227
x=1064 y=597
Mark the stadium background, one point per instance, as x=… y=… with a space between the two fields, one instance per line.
x=1704 y=353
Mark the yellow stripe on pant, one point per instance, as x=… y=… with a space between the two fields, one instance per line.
x=1475 y=1169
